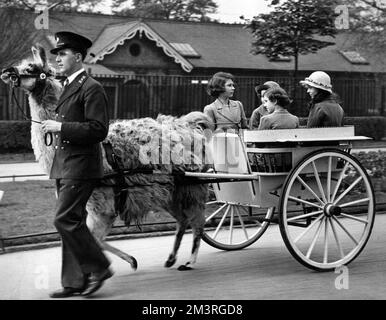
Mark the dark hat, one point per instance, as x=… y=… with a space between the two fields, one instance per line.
x=267 y=85
x=66 y=39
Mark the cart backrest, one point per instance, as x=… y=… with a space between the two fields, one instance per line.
x=229 y=156
x=325 y=134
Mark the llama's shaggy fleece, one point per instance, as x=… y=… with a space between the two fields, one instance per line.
x=166 y=145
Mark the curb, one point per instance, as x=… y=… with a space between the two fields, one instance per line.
x=53 y=244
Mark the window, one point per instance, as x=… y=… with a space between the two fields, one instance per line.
x=185 y=49
x=354 y=57
x=135 y=49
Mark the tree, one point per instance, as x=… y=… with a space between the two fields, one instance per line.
x=74 y=5
x=185 y=10
x=296 y=27
x=367 y=18
x=11 y=28
x=17 y=22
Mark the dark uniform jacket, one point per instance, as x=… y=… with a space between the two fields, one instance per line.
x=327 y=113
x=82 y=109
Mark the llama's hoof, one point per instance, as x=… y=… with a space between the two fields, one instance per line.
x=170 y=262
x=184 y=267
x=134 y=263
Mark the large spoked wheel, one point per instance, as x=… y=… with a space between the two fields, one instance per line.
x=327 y=210
x=231 y=226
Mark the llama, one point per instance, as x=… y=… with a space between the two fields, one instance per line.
x=134 y=141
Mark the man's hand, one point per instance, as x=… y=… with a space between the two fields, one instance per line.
x=51 y=126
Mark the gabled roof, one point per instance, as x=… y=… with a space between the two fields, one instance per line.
x=222 y=46
x=229 y=46
x=114 y=35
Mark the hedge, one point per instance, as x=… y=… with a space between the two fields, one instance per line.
x=15 y=136
x=374 y=127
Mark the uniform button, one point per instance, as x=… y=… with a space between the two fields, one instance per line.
x=62 y=148
x=56 y=147
x=56 y=136
x=62 y=116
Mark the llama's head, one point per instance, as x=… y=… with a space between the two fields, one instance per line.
x=31 y=73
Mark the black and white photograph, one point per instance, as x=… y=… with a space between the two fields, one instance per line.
x=192 y=156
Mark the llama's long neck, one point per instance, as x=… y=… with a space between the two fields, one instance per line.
x=42 y=107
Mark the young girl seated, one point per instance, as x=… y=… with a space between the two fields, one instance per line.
x=276 y=101
x=325 y=110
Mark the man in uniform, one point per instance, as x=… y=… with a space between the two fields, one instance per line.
x=81 y=124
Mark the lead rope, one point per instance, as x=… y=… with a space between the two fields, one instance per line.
x=47 y=136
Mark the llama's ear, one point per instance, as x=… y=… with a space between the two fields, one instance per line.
x=39 y=55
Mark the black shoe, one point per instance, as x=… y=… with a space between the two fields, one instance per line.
x=66 y=292
x=96 y=280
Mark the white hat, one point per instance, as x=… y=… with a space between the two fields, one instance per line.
x=318 y=79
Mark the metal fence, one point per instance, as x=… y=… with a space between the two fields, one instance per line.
x=133 y=96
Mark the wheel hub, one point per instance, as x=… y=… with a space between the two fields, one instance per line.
x=331 y=210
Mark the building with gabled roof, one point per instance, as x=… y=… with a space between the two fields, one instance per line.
x=124 y=47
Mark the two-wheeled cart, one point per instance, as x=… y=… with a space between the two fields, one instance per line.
x=323 y=195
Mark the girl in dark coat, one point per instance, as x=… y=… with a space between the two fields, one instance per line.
x=325 y=110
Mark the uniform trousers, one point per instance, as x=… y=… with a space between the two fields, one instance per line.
x=81 y=254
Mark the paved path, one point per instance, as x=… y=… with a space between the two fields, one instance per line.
x=265 y=270
x=24 y=168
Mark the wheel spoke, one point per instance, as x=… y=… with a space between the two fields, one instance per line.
x=242 y=223
x=316 y=173
x=231 y=227
x=305 y=202
x=348 y=190
x=305 y=215
x=354 y=202
x=309 y=189
x=339 y=181
x=217 y=211
x=336 y=238
x=221 y=222
x=325 y=254
x=211 y=202
x=348 y=216
x=345 y=230
x=329 y=180
x=308 y=229
x=317 y=233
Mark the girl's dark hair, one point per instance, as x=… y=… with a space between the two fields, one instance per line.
x=323 y=95
x=216 y=84
x=280 y=95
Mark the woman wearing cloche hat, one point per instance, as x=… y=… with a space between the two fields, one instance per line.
x=325 y=110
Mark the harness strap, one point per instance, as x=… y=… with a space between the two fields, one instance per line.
x=47 y=136
x=120 y=187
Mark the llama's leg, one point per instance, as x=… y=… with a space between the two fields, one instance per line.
x=197 y=235
x=100 y=219
x=119 y=253
x=196 y=215
x=181 y=227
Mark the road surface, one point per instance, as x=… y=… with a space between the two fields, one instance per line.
x=265 y=270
